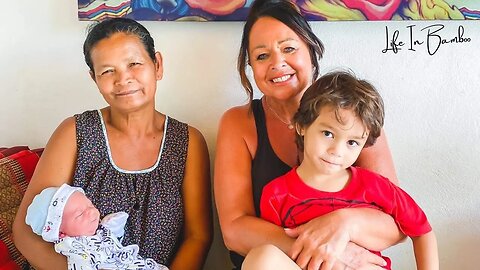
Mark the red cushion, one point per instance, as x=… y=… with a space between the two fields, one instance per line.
x=16 y=171
x=4 y=255
x=5 y=261
x=38 y=151
x=27 y=160
x=5 y=152
x=10 y=265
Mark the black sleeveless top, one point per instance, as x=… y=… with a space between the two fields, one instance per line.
x=152 y=197
x=266 y=166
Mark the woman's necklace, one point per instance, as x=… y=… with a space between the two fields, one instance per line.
x=288 y=123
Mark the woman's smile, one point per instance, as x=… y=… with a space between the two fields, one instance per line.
x=282 y=78
x=127 y=93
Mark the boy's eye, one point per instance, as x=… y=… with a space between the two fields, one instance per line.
x=327 y=134
x=353 y=143
x=134 y=64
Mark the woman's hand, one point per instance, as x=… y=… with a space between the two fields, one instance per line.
x=324 y=243
x=320 y=242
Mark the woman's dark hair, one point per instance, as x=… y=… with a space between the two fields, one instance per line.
x=288 y=13
x=342 y=90
x=105 y=29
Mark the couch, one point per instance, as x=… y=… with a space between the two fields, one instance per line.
x=16 y=169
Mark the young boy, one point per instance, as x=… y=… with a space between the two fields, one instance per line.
x=337 y=117
x=66 y=217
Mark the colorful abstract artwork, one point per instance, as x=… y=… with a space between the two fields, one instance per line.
x=314 y=10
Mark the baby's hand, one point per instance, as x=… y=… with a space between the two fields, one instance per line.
x=115 y=223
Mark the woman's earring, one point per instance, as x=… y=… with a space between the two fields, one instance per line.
x=299 y=130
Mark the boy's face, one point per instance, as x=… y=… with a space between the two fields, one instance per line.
x=80 y=217
x=331 y=146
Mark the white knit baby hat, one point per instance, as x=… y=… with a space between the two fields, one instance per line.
x=45 y=212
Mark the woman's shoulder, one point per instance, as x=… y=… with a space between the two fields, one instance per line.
x=195 y=136
x=191 y=133
x=57 y=164
x=197 y=146
x=242 y=111
x=65 y=129
x=238 y=119
x=64 y=138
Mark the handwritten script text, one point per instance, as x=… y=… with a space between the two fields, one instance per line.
x=433 y=39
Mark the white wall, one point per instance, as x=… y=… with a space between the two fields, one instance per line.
x=432 y=120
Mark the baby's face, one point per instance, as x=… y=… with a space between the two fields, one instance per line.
x=80 y=217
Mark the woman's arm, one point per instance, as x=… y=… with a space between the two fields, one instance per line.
x=426 y=251
x=55 y=167
x=241 y=229
x=326 y=237
x=198 y=206
x=378 y=158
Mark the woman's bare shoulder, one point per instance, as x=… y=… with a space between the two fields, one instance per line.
x=63 y=137
x=58 y=158
x=195 y=136
x=67 y=125
x=242 y=110
x=237 y=131
x=239 y=118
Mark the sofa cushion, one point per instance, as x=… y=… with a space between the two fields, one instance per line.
x=16 y=170
x=6 y=262
x=7 y=151
x=4 y=254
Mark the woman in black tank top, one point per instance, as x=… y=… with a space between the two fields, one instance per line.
x=255 y=142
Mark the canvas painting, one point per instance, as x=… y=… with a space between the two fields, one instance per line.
x=314 y=10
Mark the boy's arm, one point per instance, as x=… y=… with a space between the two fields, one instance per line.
x=426 y=252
